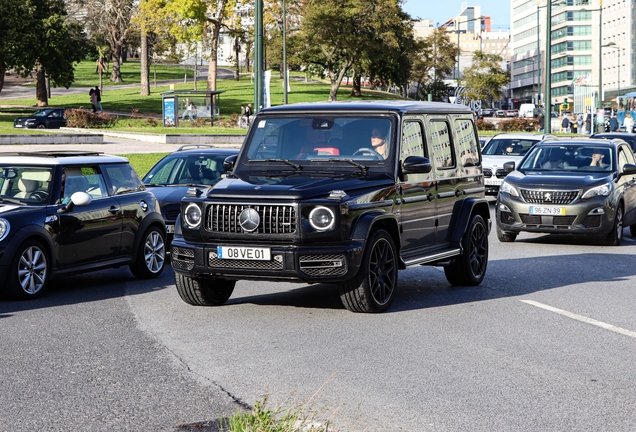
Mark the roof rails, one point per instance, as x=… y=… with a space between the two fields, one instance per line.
x=195 y=146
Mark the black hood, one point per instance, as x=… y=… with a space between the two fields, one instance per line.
x=558 y=180
x=294 y=186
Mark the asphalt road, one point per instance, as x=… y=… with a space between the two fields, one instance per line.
x=546 y=343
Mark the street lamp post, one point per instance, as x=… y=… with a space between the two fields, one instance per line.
x=538 y=59
x=285 y=77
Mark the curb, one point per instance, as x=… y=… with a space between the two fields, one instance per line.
x=67 y=138
x=231 y=140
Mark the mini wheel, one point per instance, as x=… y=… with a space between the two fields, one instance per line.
x=151 y=255
x=28 y=271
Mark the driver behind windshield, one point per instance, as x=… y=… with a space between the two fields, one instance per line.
x=379 y=142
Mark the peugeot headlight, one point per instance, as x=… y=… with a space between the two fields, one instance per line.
x=322 y=218
x=192 y=216
x=509 y=189
x=603 y=190
x=4 y=228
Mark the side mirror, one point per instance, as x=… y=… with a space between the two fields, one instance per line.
x=416 y=165
x=77 y=199
x=629 y=169
x=229 y=162
x=509 y=166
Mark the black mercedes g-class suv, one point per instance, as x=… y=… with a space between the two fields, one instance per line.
x=345 y=193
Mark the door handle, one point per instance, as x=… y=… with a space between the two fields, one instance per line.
x=430 y=197
x=113 y=209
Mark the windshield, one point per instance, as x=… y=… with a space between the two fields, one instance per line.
x=187 y=169
x=508 y=146
x=580 y=158
x=27 y=184
x=310 y=139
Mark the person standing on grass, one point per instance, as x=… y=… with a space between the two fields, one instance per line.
x=98 y=95
x=93 y=96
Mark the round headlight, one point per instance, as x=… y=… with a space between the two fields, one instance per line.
x=192 y=216
x=4 y=228
x=322 y=218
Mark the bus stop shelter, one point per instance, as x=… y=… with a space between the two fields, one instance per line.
x=190 y=104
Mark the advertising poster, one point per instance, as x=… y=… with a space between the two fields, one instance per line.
x=267 y=101
x=169 y=112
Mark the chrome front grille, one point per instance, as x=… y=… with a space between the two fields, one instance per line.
x=274 y=219
x=548 y=196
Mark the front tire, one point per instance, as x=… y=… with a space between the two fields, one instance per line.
x=151 y=255
x=615 y=236
x=373 y=288
x=203 y=292
x=506 y=237
x=469 y=268
x=41 y=126
x=28 y=271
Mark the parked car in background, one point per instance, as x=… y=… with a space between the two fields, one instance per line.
x=504 y=148
x=49 y=118
x=570 y=187
x=512 y=113
x=483 y=141
x=68 y=212
x=629 y=138
x=487 y=112
x=528 y=110
x=189 y=166
x=500 y=113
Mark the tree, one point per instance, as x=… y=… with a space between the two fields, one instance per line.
x=50 y=44
x=485 y=78
x=436 y=61
x=17 y=32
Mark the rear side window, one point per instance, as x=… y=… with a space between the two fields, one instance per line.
x=412 y=140
x=442 y=145
x=467 y=145
x=123 y=179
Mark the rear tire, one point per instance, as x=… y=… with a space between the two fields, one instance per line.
x=203 y=292
x=151 y=255
x=28 y=272
x=373 y=288
x=615 y=236
x=469 y=268
x=41 y=126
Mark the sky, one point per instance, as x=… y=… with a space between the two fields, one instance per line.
x=499 y=10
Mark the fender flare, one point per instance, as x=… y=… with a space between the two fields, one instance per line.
x=24 y=233
x=153 y=219
x=367 y=221
x=462 y=213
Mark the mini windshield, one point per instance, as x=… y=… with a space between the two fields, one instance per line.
x=310 y=139
x=580 y=158
x=508 y=146
x=27 y=184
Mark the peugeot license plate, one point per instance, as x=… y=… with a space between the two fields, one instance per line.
x=244 y=253
x=558 y=211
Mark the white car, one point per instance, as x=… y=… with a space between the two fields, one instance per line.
x=504 y=148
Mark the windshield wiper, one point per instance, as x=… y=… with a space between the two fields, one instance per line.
x=363 y=169
x=12 y=201
x=286 y=161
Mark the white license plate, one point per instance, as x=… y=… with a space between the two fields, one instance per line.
x=244 y=253
x=170 y=229
x=18 y=126
x=547 y=210
x=492 y=182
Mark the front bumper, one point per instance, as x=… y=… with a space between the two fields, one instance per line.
x=591 y=217
x=304 y=263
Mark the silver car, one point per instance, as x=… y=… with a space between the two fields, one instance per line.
x=502 y=148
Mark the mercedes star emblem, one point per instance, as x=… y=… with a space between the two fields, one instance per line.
x=249 y=219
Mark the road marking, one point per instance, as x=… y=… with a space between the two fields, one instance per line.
x=582 y=318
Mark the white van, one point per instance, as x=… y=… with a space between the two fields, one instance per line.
x=527 y=110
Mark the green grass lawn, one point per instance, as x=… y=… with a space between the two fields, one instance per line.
x=142 y=162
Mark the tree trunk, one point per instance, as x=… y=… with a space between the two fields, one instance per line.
x=145 y=71
x=115 y=75
x=3 y=69
x=214 y=50
x=248 y=53
x=40 y=86
x=356 y=87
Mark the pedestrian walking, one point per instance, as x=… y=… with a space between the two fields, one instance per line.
x=541 y=122
x=628 y=122
x=565 y=124
x=579 y=124
x=98 y=96
x=248 y=112
x=574 y=126
x=613 y=123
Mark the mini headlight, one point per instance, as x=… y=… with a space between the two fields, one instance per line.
x=192 y=216
x=507 y=188
x=321 y=218
x=4 y=228
x=603 y=190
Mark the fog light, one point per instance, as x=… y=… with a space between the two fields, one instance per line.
x=504 y=208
